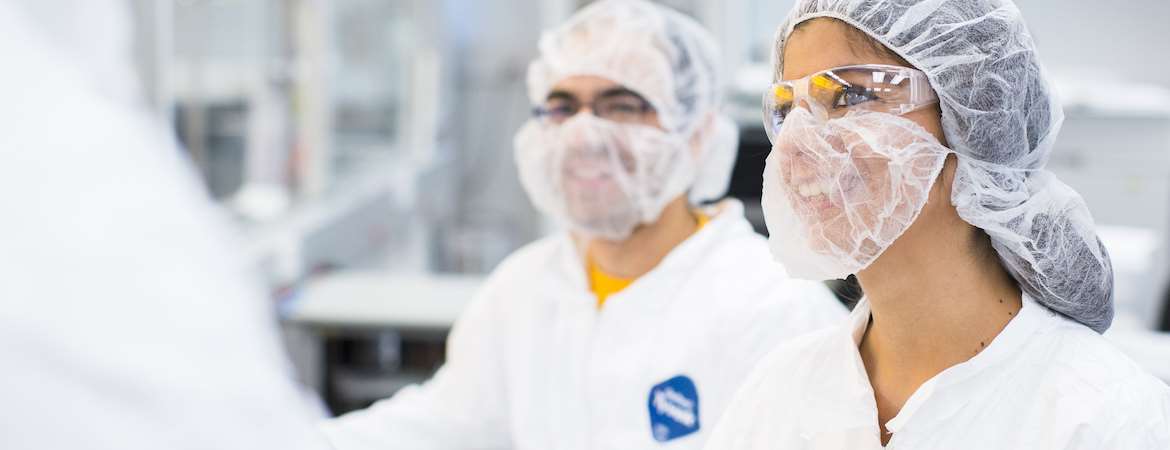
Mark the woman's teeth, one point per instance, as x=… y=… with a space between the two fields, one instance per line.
x=812 y=189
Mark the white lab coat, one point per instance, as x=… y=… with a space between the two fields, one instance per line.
x=533 y=364
x=1045 y=383
x=125 y=321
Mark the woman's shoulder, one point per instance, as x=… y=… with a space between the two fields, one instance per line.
x=1080 y=362
x=1121 y=404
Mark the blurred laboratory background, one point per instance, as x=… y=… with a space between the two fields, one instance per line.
x=364 y=147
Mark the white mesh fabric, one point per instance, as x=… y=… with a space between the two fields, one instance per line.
x=837 y=193
x=601 y=178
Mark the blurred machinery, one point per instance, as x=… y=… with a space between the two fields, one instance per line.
x=293 y=111
x=397 y=159
x=313 y=122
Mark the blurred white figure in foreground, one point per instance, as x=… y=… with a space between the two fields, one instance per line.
x=125 y=321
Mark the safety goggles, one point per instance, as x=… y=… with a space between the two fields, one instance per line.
x=831 y=93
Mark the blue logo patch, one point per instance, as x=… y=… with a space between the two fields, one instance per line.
x=674 y=409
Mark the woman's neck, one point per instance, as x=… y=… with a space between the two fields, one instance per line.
x=647 y=245
x=934 y=306
x=936 y=301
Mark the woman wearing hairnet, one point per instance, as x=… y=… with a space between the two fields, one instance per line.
x=633 y=328
x=909 y=144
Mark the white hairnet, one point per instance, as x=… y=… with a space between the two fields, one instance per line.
x=1000 y=117
x=664 y=56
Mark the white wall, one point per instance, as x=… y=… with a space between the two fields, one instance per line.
x=1128 y=37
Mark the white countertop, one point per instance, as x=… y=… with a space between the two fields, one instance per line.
x=383 y=300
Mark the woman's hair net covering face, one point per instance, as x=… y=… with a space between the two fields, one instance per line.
x=664 y=56
x=1001 y=118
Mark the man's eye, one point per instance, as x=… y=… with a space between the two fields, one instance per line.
x=625 y=108
x=560 y=110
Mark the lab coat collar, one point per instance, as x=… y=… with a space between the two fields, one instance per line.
x=727 y=222
x=843 y=399
x=839 y=400
x=967 y=375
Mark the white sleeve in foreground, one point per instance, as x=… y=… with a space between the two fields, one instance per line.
x=127 y=320
x=129 y=333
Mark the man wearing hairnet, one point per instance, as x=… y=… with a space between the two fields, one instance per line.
x=909 y=139
x=126 y=322
x=631 y=328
